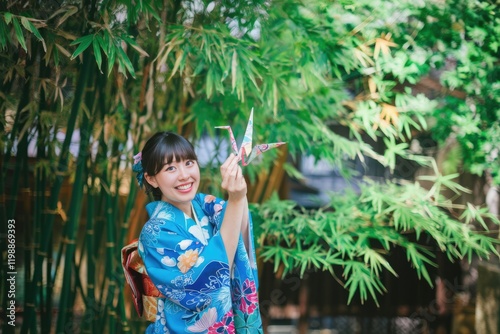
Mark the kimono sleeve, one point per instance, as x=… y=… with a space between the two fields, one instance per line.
x=184 y=270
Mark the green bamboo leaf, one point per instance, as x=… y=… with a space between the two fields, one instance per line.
x=7 y=17
x=19 y=33
x=154 y=12
x=102 y=44
x=376 y=261
x=234 y=69
x=292 y=171
x=469 y=214
x=3 y=34
x=126 y=61
x=37 y=34
x=361 y=280
x=111 y=58
x=97 y=53
x=134 y=45
x=209 y=82
x=392 y=150
x=315 y=262
x=303 y=268
x=84 y=42
x=400 y=219
x=419 y=261
x=25 y=23
x=55 y=53
x=205 y=45
x=447 y=181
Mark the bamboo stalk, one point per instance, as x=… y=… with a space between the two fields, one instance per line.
x=70 y=285
x=88 y=325
x=7 y=329
x=108 y=284
x=65 y=307
x=38 y=206
x=4 y=87
x=45 y=300
x=122 y=240
x=125 y=326
x=110 y=250
x=98 y=234
x=23 y=153
x=277 y=174
x=22 y=150
x=49 y=288
x=19 y=123
x=124 y=232
x=49 y=214
x=101 y=163
x=40 y=176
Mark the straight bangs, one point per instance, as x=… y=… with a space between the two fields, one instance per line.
x=179 y=149
x=173 y=148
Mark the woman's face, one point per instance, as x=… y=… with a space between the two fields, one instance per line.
x=178 y=182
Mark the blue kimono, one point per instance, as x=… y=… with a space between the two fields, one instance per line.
x=187 y=261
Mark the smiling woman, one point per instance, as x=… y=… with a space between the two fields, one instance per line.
x=197 y=249
x=160 y=161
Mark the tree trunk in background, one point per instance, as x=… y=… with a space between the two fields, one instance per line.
x=488 y=298
x=488 y=288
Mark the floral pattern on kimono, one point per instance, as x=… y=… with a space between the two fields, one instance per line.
x=187 y=261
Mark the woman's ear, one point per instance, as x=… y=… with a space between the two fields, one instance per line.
x=151 y=180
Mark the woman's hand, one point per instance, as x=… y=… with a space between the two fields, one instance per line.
x=235 y=185
x=232 y=178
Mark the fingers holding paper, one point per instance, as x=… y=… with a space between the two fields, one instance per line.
x=232 y=178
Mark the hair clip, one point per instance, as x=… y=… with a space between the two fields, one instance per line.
x=137 y=167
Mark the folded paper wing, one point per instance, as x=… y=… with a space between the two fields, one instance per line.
x=246 y=153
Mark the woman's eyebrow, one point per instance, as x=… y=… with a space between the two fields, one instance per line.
x=171 y=162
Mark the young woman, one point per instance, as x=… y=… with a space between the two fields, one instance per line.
x=197 y=249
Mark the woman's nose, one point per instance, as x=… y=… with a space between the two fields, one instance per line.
x=183 y=173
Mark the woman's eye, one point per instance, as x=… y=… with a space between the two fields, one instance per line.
x=170 y=168
x=189 y=163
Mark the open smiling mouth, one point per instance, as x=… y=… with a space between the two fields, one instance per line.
x=184 y=186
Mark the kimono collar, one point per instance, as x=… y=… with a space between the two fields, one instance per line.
x=154 y=209
x=160 y=209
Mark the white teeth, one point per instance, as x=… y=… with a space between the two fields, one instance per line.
x=184 y=187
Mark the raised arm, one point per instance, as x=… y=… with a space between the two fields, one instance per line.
x=237 y=205
x=245 y=227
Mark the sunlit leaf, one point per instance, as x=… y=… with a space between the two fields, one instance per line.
x=68 y=12
x=134 y=45
x=383 y=44
x=178 y=60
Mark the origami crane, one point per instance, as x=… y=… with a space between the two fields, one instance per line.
x=246 y=153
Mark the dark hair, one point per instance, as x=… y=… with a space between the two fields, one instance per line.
x=162 y=148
